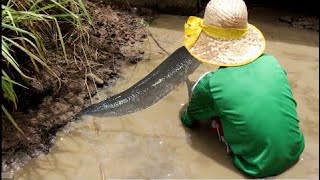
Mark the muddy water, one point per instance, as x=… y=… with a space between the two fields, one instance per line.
x=153 y=144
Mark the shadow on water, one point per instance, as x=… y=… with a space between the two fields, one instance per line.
x=204 y=140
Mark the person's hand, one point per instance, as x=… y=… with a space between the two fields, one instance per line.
x=183 y=108
x=185 y=119
x=190 y=85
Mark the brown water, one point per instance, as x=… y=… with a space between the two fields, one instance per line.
x=153 y=144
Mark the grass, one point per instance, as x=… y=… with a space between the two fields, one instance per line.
x=26 y=26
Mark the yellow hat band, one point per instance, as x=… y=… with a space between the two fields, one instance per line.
x=194 y=26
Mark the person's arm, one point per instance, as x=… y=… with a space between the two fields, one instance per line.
x=200 y=106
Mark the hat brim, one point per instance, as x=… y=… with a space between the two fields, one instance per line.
x=229 y=52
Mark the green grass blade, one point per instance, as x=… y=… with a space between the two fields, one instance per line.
x=8 y=91
x=9 y=2
x=30 y=42
x=7 y=78
x=32 y=56
x=7 y=56
x=62 y=16
x=61 y=40
x=83 y=7
x=10 y=17
x=35 y=6
x=16 y=29
x=11 y=119
x=30 y=15
x=29 y=53
x=50 y=6
x=65 y=9
x=23 y=40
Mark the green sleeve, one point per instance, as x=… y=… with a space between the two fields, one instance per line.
x=200 y=106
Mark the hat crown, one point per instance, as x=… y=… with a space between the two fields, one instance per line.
x=226 y=14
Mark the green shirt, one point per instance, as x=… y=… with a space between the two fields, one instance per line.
x=255 y=105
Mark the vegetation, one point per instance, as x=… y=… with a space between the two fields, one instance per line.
x=28 y=28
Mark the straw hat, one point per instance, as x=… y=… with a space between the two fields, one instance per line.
x=224 y=37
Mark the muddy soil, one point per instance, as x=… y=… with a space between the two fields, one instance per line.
x=302 y=22
x=46 y=107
